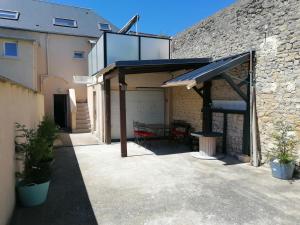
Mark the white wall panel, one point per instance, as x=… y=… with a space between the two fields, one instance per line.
x=121 y=47
x=154 y=48
x=142 y=106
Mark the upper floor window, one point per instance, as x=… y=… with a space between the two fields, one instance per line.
x=11 y=49
x=65 y=22
x=78 y=55
x=9 y=15
x=104 y=26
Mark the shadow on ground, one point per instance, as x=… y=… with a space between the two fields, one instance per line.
x=68 y=201
x=166 y=147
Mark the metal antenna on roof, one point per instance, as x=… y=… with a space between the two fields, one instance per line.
x=129 y=24
x=136 y=26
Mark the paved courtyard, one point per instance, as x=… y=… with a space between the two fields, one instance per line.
x=93 y=185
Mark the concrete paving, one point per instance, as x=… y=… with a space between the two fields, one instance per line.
x=94 y=185
x=75 y=139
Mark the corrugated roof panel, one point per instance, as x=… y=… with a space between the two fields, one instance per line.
x=208 y=72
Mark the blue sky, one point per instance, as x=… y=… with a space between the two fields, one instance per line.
x=157 y=16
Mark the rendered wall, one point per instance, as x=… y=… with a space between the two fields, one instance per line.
x=272 y=28
x=21 y=69
x=55 y=65
x=22 y=105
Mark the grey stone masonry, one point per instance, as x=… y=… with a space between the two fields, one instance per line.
x=272 y=29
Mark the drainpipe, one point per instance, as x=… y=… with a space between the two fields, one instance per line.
x=253 y=121
x=46 y=62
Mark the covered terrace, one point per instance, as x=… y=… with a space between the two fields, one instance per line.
x=196 y=74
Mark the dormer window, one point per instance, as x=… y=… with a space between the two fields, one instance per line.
x=9 y=15
x=65 y=22
x=104 y=26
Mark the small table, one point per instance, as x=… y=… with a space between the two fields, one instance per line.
x=207 y=145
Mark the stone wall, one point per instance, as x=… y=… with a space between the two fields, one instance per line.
x=187 y=105
x=272 y=28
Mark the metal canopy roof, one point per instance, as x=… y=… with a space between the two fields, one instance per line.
x=208 y=72
x=151 y=66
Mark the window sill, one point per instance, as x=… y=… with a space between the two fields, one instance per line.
x=78 y=59
x=10 y=57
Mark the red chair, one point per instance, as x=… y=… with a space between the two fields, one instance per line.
x=180 y=131
x=141 y=132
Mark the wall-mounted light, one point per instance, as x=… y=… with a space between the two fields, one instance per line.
x=123 y=86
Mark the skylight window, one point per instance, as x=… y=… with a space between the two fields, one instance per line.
x=65 y=22
x=104 y=26
x=9 y=15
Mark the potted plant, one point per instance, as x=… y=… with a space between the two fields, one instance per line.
x=36 y=148
x=282 y=156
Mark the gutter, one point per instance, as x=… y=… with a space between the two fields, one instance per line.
x=17 y=38
x=47 y=32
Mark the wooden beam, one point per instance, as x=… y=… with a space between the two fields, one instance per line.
x=229 y=111
x=243 y=82
x=107 y=112
x=235 y=87
x=207 y=114
x=123 y=133
x=199 y=91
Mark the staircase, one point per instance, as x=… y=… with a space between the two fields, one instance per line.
x=83 y=124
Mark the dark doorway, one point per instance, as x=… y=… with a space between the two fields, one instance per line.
x=60 y=110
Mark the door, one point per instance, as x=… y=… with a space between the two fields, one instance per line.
x=60 y=110
x=146 y=106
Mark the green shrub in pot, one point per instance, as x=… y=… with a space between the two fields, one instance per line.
x=282 y=156
x=35 y=147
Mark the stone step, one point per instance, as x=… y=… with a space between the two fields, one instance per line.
x=82 y=131
x=84 y=109
x=82 y=105
x=83 y=126
x=82 y=117
x=84 y=113
x=83 y=121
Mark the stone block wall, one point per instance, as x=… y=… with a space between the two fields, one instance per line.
x=272 y=29
x=187 y=105
x=234 y=132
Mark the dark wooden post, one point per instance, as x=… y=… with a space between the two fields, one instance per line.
x=207 y=114
x=122 y=94
x=246 y=124
x=107 y=111
x=225 y=119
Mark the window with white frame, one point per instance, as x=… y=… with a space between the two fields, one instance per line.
x=104 y=26
x=78 y=55
x=65 y=22
x=10 y=49
x=9 y=15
